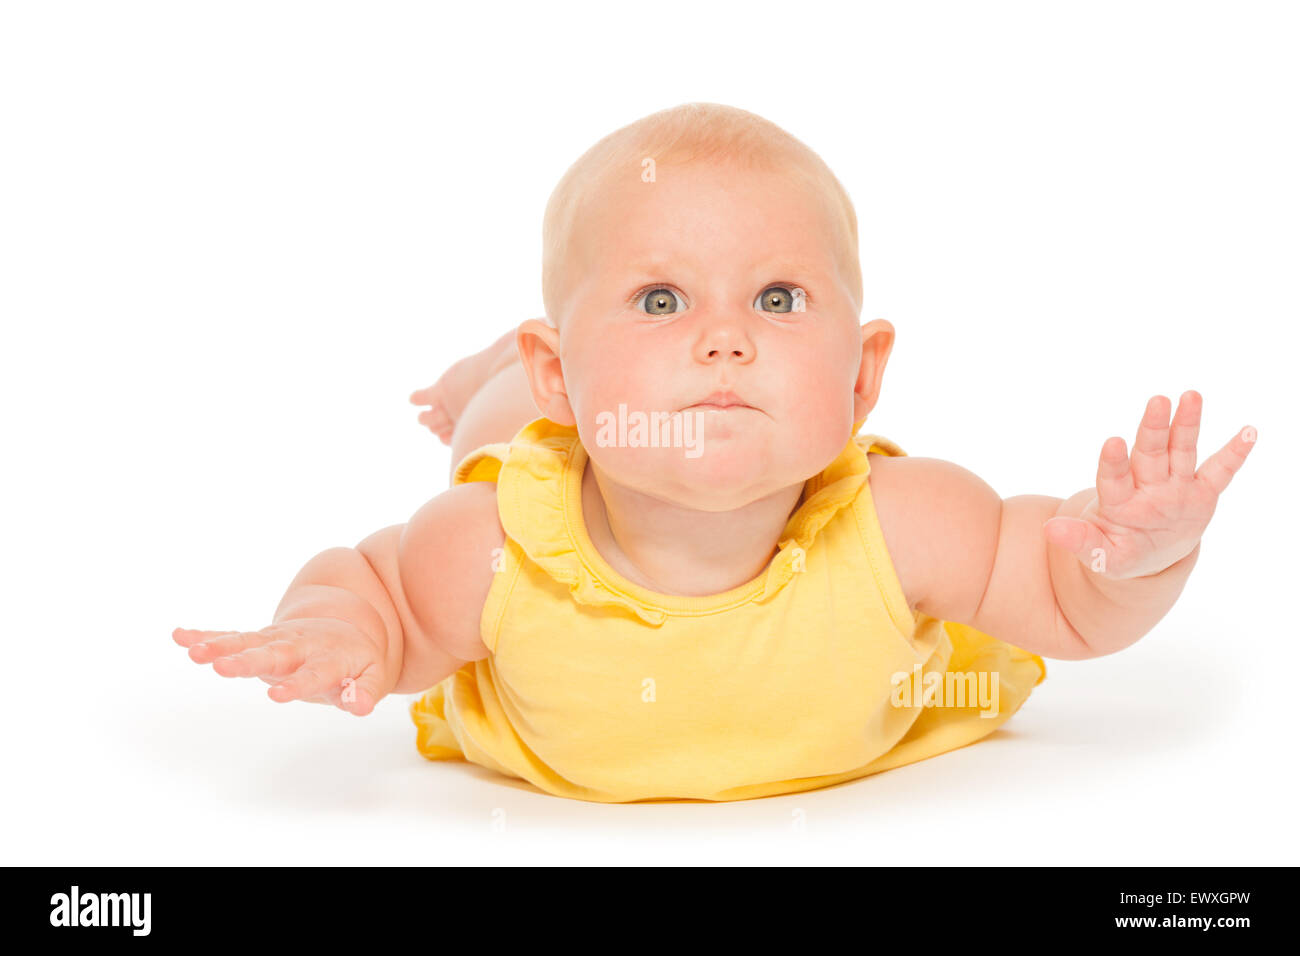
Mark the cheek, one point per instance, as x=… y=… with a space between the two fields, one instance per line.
x=603 y=378
x=819 y=402
x=819 y=382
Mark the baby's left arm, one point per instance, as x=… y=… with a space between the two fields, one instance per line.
x=1069 y=579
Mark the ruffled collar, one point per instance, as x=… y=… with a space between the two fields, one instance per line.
x=542 y=512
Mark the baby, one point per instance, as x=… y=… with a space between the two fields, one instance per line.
x=691 y=577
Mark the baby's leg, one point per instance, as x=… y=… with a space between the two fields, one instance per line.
x=500 y=407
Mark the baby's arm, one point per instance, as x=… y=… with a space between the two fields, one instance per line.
x=397 y=613
x=1070 y=579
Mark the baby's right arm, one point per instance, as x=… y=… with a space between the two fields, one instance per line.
x=397 y=613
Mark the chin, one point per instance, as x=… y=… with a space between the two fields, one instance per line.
x=728 y=475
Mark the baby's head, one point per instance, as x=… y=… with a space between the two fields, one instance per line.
x=698 y=251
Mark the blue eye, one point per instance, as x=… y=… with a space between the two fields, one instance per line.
x=659 y=302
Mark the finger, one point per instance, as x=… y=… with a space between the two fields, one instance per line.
x=321 y=677
x=275 y=660
x=1183 y=434
x=423 y=396
x=1151 y=447
x=1227 y=461
x=1081 y=538
x=206 y=651
x=1114 y=477
x=362 y=695
x=187 y=637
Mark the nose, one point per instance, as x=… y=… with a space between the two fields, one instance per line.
x=724 y=340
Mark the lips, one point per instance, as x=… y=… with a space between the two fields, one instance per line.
x=721 y=400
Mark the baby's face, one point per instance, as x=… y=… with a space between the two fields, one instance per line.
x=711 y=280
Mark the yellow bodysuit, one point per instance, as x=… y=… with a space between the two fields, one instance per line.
x=599 y=689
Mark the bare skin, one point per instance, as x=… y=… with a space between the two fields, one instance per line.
x=448 y=396
x=666 y=304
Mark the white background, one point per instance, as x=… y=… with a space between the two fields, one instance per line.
x=235 y=236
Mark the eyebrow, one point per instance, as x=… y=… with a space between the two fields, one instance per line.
x=652 y=266
x=780 y=267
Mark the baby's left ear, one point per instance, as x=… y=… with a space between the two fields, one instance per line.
x=877 y=343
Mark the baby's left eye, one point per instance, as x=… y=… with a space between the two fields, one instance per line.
x=779 y=298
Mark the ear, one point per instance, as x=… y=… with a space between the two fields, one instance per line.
x=539 y=351
x=877 y=342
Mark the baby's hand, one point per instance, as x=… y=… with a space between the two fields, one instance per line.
x=1145 y=519
x=321 y=660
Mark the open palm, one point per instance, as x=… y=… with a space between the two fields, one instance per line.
x=1151 y=508
x=319 y=660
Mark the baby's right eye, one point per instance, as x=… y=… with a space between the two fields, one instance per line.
x=659 y=302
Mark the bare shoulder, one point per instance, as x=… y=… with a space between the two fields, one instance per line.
x=940 y=522
x=448 y=556
x=443 y=563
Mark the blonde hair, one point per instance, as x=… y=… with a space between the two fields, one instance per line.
x=685 y=134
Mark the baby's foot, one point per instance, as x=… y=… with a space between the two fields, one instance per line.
x=448 y=396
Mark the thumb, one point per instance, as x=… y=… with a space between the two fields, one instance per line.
x=1081 y=538
x=363 y=694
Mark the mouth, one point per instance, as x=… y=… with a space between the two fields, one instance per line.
x=722 y=401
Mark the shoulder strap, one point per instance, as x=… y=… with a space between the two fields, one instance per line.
x=880 y=445
x=482 y=464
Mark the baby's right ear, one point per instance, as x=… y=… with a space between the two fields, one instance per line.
x=539 y=351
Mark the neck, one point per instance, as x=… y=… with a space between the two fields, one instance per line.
x=671 y=549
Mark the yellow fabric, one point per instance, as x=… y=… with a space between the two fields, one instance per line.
x=601 y=690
